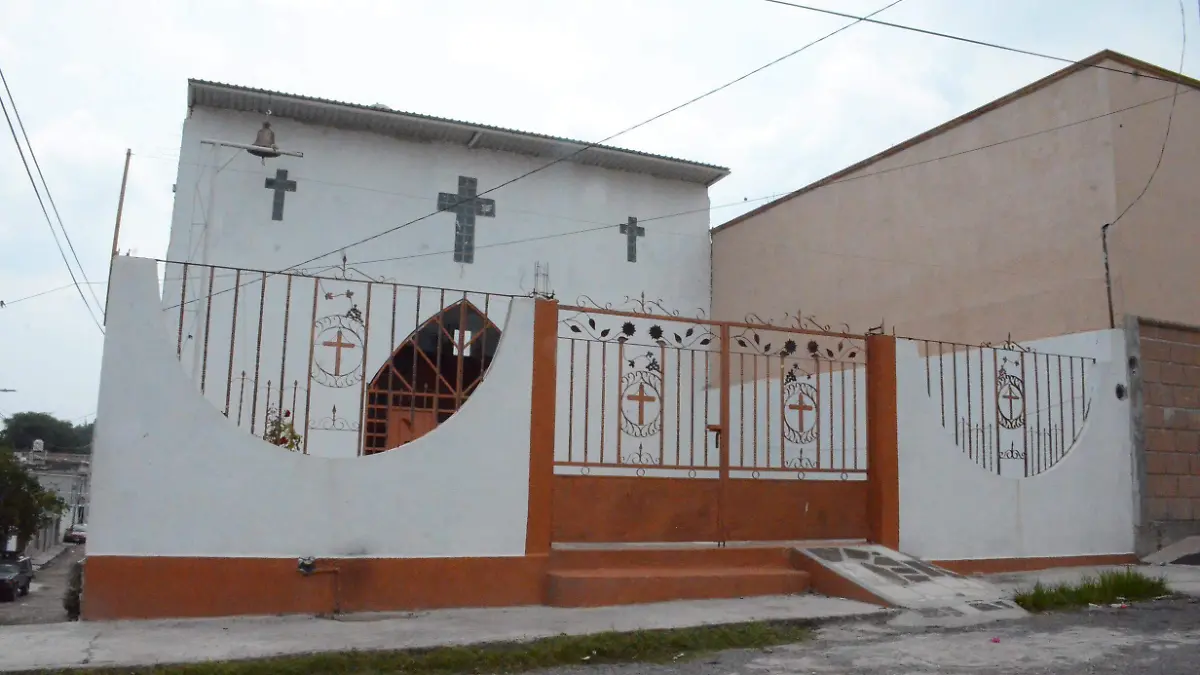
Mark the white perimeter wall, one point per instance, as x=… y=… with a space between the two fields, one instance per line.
x=174 y=477
x=953 y=508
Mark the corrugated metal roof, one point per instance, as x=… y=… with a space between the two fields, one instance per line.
x=412 y=126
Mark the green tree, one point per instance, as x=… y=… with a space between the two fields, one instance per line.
x=25 y=506
x=22 y=429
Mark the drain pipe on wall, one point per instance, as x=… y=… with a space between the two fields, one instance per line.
x=1112 y=320
x=308 y=567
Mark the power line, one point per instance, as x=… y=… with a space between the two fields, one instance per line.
x=748 y=200
x=7 y=303
x=846 y=179
x=46 y=214
x=772 y=196
x=589 y=145
x=1112 y=318
x=45 y=185
x=1170 y=116
x=957 y=38
x=363 y=188
x=775 y=195
x=856 y=19
x=639 y=125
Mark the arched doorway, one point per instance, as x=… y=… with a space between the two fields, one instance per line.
x=429 y=376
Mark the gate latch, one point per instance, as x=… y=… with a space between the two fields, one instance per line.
x=716 y=429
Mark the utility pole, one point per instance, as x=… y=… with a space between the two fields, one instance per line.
x=117 y=230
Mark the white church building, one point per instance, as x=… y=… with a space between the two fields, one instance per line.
x=398 y=362
x=587 y=221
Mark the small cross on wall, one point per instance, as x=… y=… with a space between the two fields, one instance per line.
x=632 y=231
x=466 y=206
x=281 y=186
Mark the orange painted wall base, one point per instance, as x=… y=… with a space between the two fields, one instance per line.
x=120 y=587
x=1007 y=565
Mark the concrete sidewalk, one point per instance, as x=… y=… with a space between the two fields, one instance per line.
x=1181 y=578
x=139 y=643
x=43 y=558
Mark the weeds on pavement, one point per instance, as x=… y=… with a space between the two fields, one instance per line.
x=1111 y=586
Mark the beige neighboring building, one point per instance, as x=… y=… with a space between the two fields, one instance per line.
x=990 y=224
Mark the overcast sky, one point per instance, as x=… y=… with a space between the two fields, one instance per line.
x=94 y=78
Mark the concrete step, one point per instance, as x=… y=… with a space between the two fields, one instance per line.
x=600 y=587
x=670 y=558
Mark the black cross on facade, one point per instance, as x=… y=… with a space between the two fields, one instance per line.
x=280 y=184
x=632 y=231
x=466 y=206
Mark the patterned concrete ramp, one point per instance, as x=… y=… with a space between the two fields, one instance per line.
x=1184 y=552
x=933 y=596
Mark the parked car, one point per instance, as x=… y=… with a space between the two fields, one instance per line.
x=73 y=597
x=16 y=574
x=76 y=534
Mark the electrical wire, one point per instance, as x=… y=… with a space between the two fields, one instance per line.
x=948 y=36
x=46 y=186
x=1108 y=286
x=9 y=303
x=814 y=186
x=741 y=202
x=589 y=145
x=860 y=176
x=1170 y=116
x=46 y=214
x=819 y=184
x=611 y=137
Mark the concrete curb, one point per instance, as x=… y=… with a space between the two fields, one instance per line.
x=881 y=617
x=77 y=647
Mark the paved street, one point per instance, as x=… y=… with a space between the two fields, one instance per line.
x=44 y=602
x=1161 y=637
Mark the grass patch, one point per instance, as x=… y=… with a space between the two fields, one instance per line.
x=653 y=646
x=1111 y=586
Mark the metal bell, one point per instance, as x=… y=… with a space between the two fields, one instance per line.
x=265 y=143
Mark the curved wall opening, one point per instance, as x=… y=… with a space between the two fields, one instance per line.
x=429 y=377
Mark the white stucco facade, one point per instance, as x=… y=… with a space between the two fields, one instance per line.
x=954 y=506
x=174 y=477
x=352 y=184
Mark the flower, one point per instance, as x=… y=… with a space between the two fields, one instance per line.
x=287 y=413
